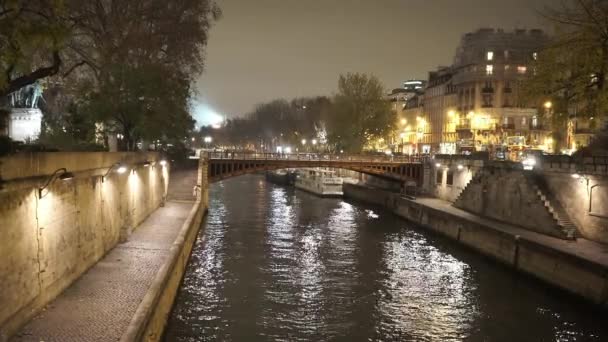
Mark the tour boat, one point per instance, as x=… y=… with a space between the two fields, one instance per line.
x=324 y=183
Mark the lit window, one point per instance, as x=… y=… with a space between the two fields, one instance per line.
x=490 y=55
x=489 y=69
x=507 y=67
x=521 y=69
x=523 y=121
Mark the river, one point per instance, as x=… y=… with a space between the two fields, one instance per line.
x=277 y=264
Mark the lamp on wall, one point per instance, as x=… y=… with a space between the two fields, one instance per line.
x=119 y=167
x=61 y=174
x=163 y=162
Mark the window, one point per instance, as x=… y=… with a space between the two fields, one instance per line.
x=439 y=177
x=489 y=69
x=535 y=55
x=507 y=67
x=524 y=121
x=534 y=121
x=521 y=69
x=450 y=178
x=490 y=55
x=506 y=54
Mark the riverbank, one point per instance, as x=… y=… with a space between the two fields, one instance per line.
x=129 y=293
x=579 y=267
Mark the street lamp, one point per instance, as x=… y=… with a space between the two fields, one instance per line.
x=208 y=139
x=314 y=141
x=548 y=105
x=303 y=142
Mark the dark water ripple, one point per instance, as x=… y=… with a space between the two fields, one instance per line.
x=275 y=264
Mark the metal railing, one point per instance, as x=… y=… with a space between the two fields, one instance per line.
x=368 y=158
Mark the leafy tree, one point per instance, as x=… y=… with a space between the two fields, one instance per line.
x=359 y=113
x=573 y=69
x=32 y=36
x=147 y=102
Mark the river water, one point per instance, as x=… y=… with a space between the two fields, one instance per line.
x=277 y=264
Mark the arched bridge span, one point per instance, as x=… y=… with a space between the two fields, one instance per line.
x=400 y=168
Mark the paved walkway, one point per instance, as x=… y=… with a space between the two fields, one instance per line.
x=583 y=248
x=181 y=185
x=100 y=304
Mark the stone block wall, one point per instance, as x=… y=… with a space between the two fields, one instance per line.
x=587 y=207
x=438 y=176
x=506 y=195
x=47 y=243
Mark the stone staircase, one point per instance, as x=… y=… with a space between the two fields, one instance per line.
x=476 y=179
x=553 y=205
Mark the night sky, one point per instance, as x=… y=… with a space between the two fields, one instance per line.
x=266 y=49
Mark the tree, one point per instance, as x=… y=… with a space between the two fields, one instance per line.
x=32 y=36
x=573 y=69
x=359 y=113
x=147 y=102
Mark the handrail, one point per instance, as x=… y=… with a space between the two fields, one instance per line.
x=330 y=157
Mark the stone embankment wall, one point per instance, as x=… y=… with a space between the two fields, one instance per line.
x=525 y=253
x=508 y=196
x=47 y=243
x=547 y=200
x=585 y=199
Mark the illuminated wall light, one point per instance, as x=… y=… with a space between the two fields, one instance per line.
x=120 y=168
x=163 y=162
x=61 y=174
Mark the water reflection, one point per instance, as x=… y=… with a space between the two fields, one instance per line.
x=425 y=293
x=275 y=264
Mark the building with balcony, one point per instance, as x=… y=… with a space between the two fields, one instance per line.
x=399 y=99
x=489 y=69
x=476 y=104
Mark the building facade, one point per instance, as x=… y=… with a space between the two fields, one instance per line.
x=492 y=114
x=477 y=103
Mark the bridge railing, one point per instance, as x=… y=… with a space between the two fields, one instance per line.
x=317 y=157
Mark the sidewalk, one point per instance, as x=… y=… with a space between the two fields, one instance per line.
x=582 y=248
x=100 y=305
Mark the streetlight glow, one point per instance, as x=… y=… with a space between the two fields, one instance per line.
x=314 y=141
x=548 y=104
x=303 y=141
x=403 y=121
x=208 y=139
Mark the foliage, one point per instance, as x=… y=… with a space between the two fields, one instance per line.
x=32 y=35
x=274 y=123
x=75 y=130
x=106 y=50
x=359 y=113
x=573 y=69
x=147 y=102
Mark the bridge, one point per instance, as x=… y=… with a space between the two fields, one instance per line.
x=222 y=165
